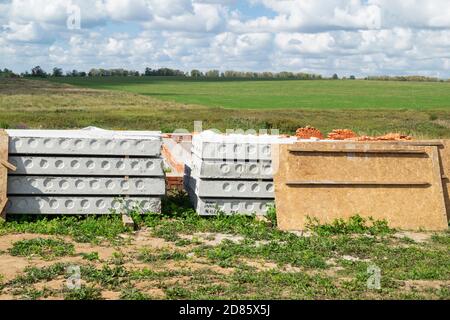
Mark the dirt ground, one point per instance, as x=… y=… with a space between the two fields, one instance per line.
x=164 y=276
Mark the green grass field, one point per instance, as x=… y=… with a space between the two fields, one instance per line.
x=52 y=105
x=279 y=94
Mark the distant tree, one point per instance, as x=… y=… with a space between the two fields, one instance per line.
x=6 y=73
x=57 y=72
x=196 y=73
x=38 y=72
x=335 y=77
x=352 y=77
x=213 y=74
x=94 y=72
x=148 y=71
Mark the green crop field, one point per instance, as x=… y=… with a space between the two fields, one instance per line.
x=279 y=94
x=143 y=104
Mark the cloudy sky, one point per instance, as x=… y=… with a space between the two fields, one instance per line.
x=361 y=37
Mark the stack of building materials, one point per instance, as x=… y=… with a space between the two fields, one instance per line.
x=89 y=171
x=232 y=173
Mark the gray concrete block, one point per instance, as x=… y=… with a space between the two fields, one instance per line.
x=252 y=189
x=87 y=166
x=241 y=151
x=209 y=145
x=214 y=206
x=44 y=185
x=220 y=169
x=80 y=205
x=150 y=147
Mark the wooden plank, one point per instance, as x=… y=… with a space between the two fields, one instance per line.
x=3 y=172
x=374 y=151
x=400 y=194
x=356 y=183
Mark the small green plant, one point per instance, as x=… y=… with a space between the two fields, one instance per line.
x=272 y=215
x=83 y=293
x=355 y=225
x=177 y=292
x=107 y=276
x=93 y=229
x=133 y=294
x=45 y=248
x=118 y=258
x=164 y=255
x=91 y=256
x=443 y=238
x=33 y=274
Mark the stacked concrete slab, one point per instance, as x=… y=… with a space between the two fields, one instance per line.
x=232 y=174
x=89 y=171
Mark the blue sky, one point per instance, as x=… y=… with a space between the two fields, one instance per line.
x=359 y=37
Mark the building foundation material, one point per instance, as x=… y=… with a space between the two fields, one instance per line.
x=232 y=174
x=87 y=166
x=88 y=171
x=37 y=185
x=81 y=204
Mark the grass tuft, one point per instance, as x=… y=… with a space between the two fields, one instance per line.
x=354 y=225
x=44 y=248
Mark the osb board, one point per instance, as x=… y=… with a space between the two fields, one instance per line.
x=3 y=171
x=392 y=185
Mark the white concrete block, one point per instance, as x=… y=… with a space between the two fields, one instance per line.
x=80 y=205
x=209 y=145
x=213 y=206
x=219 y=169
x=87 y=166
x=84 y=142
x=252 y=189
x=46 y=185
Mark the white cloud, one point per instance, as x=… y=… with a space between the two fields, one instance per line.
x=346 y=36
x=128 y=10
x=198 y=18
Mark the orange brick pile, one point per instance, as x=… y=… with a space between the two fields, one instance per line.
x=308 y=133
x=342 y=134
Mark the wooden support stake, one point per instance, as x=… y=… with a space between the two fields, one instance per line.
x=127 y=221
x=7 y=165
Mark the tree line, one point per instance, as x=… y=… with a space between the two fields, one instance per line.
x=38 y=72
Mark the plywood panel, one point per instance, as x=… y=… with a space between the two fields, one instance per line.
x=392 y=181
